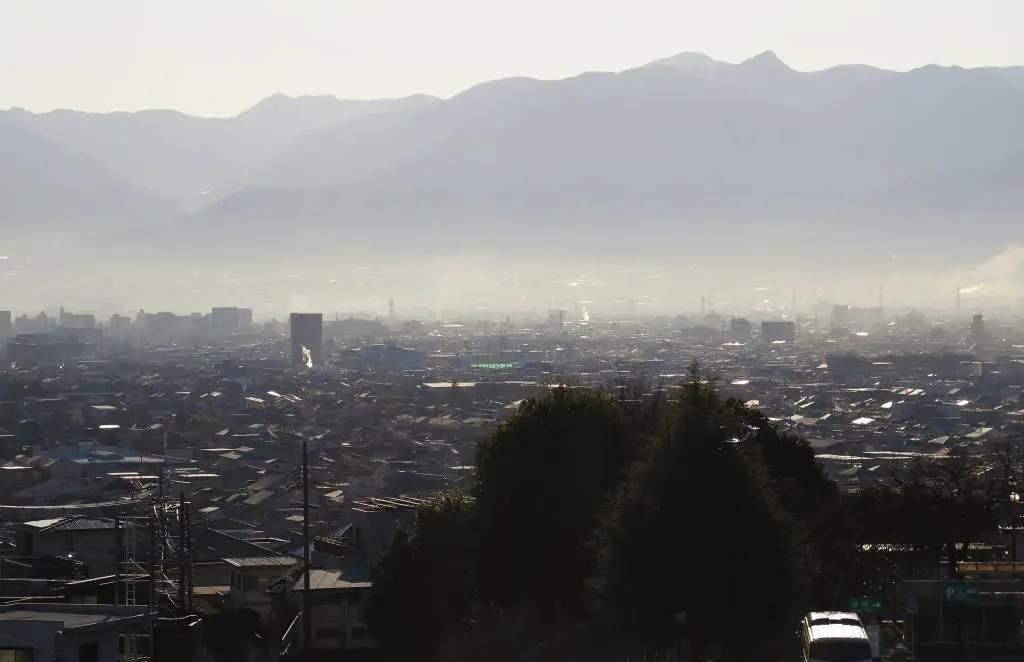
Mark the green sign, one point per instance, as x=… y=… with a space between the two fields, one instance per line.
x=866 y=604
x=961 y=592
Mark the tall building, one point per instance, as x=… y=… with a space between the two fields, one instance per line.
x=778 y=332
x=840 y=317
x=740 y=329
x=307 y=332
x=6 y=324
x=223 y=321
x=120 y=326
x=245 y=322
x=978 y=328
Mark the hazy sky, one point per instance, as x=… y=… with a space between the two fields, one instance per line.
x=216 y=57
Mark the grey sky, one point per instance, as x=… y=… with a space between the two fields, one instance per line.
x=216 y=57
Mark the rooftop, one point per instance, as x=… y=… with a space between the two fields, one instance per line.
x=330 y=580
x=261 y=562
x=73 y=616
x=77 y=523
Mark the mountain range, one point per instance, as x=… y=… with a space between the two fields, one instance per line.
x=926 y=163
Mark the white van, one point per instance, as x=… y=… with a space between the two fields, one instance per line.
x=834 y=636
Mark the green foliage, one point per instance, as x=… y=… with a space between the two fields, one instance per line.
x=424 y=584
x=543 y=478
x=698 y=528
x=656 y=506
x=799 y=479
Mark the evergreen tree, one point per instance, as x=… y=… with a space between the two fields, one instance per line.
x=697 y=528
x=542 y=480
x=424 y=585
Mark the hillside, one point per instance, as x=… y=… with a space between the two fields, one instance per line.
x=194 y=159
x=613 y=161
x=641 y=160
x=46 y=187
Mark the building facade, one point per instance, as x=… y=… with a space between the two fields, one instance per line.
x=307 y=339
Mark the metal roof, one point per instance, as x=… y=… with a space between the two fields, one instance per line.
x=261 y=562
x=328 y=580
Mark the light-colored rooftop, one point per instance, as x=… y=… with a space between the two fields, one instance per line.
x=72 y=616
x=329 y=580
x=261 y=562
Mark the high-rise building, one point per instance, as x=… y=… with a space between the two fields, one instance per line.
x=245 y=319
x=740 y=329
x=778 y=332
x=6 y=324
x=840 y=317
x=307 y=335
x=978 y=327
x=120 y=326
x=223 y=321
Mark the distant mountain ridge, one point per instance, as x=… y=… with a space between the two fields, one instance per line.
x=186 y=158
x=45 y=186
x=680 y=148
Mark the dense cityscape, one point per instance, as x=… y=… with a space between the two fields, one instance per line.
x=452 y=331
x=191 y=462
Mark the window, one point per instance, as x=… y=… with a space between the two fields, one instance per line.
x=17 y=655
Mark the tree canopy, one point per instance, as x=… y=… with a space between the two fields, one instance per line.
x=542 y=480
x=621 y=506
x=697 y=529
x=424 y=584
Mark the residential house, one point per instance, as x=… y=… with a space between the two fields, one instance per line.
x=251 y=578
x=93 y=540
x=71 y=633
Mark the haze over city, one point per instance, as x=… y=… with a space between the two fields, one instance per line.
x=843 y=152
x=566 y=331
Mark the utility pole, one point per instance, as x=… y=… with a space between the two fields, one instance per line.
x=183 y=566
x=155 y=541
x=306 y=624
x=117 y=555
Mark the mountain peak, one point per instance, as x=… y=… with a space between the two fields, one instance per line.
x=690 y=61
x=766 y=61
x=273 y=101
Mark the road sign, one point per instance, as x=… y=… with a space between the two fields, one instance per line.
x=912 y=606
x=961 y=592
x=866 y=604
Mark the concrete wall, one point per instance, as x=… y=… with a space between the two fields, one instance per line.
x=95 y=548
x=38 y=635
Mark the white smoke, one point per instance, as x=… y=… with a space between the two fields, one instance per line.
x=307 y=357
x=999 y=276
